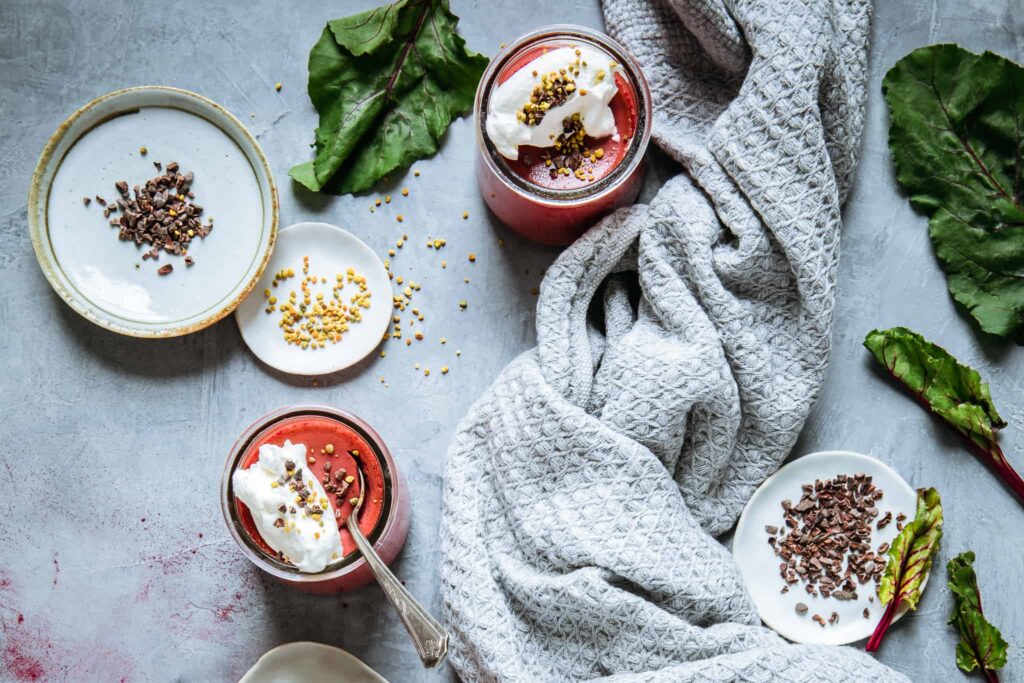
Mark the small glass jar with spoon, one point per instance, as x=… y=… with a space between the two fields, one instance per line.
x=312 y=496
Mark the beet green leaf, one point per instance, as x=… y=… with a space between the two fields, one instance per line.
x=952 y=391
x=956 y=139
x=981 y=644
x=386 y=83
x=910 y=560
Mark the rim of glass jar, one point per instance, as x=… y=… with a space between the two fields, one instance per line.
x=254 y=553
x=637 y=147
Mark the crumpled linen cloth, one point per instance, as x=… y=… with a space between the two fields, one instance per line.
x=585 y=488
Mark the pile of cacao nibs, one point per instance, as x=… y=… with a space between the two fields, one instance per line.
x=826 y=541
x=160 y=215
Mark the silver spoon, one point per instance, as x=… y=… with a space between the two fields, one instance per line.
x=428 y=635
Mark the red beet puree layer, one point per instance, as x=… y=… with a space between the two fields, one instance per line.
x=532 y=167
x=320 y=435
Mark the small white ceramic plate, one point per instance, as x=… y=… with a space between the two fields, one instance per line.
x=105 y=279
x=309 y=663
x=331 y=251
x=760 y=566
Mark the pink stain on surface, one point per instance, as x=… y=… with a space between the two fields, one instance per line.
x=224 y=613
x=30 y=653
x=24 y=653
x=21 y=666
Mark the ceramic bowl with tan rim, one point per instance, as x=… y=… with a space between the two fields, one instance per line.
x=120 y=136
x=305 y=662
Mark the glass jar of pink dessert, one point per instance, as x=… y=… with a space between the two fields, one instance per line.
x=337 y=445
x=563 y=119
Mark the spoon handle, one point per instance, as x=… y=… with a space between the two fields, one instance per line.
x=428 y=635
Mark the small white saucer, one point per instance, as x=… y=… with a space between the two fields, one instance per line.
x=760 y=566
x=331 y=251
x=309 y=663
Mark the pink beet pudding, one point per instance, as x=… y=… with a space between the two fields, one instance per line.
x=337 y=445
x=563 y=119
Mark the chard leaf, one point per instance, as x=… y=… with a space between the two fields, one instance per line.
x=386 y=84
x=944 y=386
x=949 y=389
x=956 y=139
x=981 y=644
x=911 y=553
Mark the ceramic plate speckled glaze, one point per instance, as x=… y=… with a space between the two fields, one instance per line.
x=310 y=663
x=760 y=566
x=106 y=280
x=331 y=251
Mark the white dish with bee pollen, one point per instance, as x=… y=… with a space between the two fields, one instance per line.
x=331 y=251
x=760 y=566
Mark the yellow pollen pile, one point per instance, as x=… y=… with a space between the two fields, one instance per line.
x=311 y=319
x=553 y=90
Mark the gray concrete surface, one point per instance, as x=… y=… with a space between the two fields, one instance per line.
x=114 y=560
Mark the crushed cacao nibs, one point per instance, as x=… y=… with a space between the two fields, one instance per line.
x=801 y=608
x=826 y=541
x=884 y=521
x=159 y=215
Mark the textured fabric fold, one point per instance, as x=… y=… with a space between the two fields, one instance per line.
x=584 y=489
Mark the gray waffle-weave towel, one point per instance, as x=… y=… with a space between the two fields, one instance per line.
x=585 y=488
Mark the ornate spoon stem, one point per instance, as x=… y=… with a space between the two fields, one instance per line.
x=428 y=635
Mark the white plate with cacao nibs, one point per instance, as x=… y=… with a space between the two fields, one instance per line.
x=322 y=305
x=812 y=544
x=152 y=211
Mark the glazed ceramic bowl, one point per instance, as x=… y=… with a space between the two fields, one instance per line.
x=306 y=662
x=118 y=137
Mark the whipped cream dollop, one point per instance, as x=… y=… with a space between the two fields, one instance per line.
x=591 y=72
x=289 y=506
